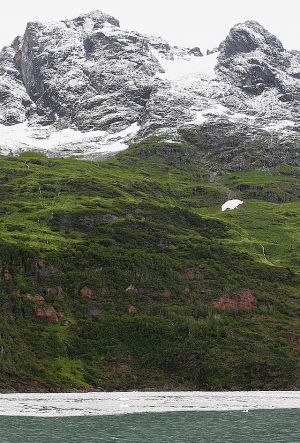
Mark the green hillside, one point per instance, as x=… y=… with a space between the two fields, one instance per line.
x=125 y=274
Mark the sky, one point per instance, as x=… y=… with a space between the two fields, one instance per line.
x=181 y=22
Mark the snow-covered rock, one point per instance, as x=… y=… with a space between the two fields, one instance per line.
x=65 y=142
x=73 y=87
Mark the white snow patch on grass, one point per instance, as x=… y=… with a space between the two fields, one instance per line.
x=231 y=204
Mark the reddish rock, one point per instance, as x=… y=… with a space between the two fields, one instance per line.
x=86 y=292
x=132 y=290
x=245 y=300
x=225 y=302
x=49 y=314
x=167 y=293
x=56 y=292
x=37 y=299
x=132 y=310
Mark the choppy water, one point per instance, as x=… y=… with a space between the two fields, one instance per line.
x=187 y=417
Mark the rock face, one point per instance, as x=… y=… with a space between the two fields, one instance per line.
x=86 y=87
x=255 y=61
x=87 y=292
x=48 y=314
x=244 y=301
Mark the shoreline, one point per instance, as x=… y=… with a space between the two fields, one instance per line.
x=136 y=402
x=146 y=390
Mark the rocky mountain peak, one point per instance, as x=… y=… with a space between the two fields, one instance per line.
x=86 y=87
x=254 y=59
x=92 y=21
x=249 y=36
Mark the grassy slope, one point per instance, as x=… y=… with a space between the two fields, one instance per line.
x=151 y=219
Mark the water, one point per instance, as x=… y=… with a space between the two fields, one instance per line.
x=260 y=426
x=177 y=417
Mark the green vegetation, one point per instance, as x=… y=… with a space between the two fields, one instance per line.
x=114 y=274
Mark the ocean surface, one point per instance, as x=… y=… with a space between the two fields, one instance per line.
x=141 y=417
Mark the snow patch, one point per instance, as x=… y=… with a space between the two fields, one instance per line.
x=202 y=116
x=219 y=111
x=181 y=67
x=231 y=204
x=21 y=137
x=241 y=116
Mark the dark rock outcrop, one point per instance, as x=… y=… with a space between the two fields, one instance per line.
x=253 y=58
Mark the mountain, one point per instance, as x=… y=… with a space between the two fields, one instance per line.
x=85 y=87
x=125 y=273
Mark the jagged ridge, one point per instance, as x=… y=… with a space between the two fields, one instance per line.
x=96 y=87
